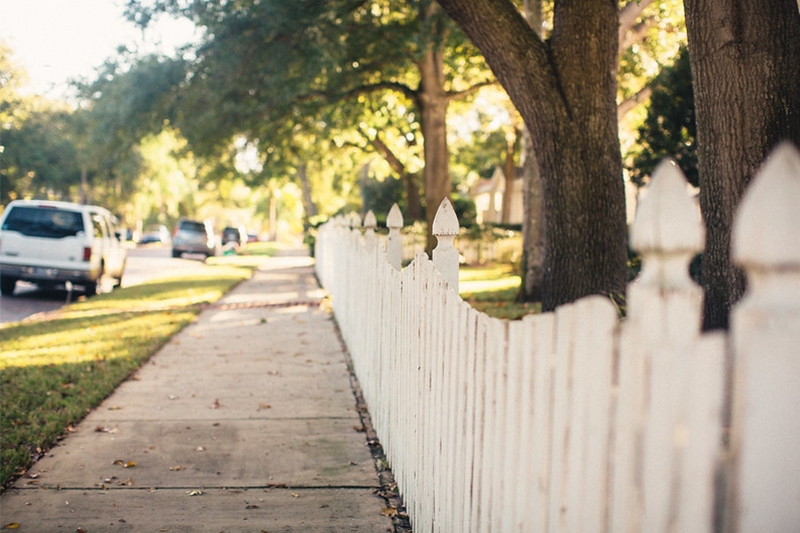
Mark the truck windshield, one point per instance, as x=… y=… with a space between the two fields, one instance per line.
x=44 y=222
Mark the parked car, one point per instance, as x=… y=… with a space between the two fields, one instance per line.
x=52 y=243
x=194 y=237
x=155 y=235
x=235 y=236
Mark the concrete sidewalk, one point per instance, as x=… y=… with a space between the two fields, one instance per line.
x=245 y=421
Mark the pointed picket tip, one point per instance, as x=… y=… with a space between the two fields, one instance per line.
x=355 y=221
x=445 y=222
x=668 y=218
x=395 y=218
x=765 y=231
x=370 y=221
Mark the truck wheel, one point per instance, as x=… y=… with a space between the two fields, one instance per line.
x=7 y=286
x=90 y=288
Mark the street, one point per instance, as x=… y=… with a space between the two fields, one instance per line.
x=144 y=263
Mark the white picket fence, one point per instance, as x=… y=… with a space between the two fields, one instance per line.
x=575 y=420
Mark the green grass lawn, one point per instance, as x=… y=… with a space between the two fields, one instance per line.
x=493 y=289
x=54 y=370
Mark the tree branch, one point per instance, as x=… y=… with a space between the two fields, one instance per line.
x=455 y=95
x=627 y=19
x=386 y=153
x=410 y=93
x=626 y=105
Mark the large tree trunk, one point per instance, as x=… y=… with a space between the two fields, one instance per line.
x=433 y=100
x=565 y=91
x=745 y=57
x=509 y=177
x=532 y=267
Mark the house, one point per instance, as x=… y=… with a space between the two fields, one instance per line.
x=488 y=197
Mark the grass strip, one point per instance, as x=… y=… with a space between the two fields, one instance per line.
x=56 y=369
x=493 y=289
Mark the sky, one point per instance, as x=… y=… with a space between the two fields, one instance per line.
x=55 y=40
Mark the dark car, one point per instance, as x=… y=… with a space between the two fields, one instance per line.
x=194 y=237
x=236 y=237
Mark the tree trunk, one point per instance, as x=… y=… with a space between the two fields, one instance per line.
x=532 y=267
x=565 y=90
x=308 y=203
x=510 y=176
x=433 y=101
x=745 y=58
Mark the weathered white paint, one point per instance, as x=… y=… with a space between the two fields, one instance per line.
x=766 y=337
x=576 y=421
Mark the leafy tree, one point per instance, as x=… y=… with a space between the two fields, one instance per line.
x=39 y=159
x=669 y=130
x=745 y=58
x=565 y=90
x=266 y=66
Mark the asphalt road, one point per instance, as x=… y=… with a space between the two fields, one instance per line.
x=143 y=264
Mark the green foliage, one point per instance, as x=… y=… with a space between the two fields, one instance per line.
x=669 y=129
x=39 y=159
x=379 y=196
x=305 y=81
x=465 y=210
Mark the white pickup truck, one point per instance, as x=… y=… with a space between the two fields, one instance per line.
x=52 y=243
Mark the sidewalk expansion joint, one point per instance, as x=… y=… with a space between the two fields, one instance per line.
x=258 y=305
x=269 y=486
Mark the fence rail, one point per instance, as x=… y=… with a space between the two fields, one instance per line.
x=577 y=420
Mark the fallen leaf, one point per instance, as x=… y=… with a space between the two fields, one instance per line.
x=177 y=468
x=129 y=464
x=12 y=525
x=295 y=495
x=215 y=404
x=263 y=406
x=389 y=511
x=115 y=408
x=194 y=492
x=200 y=449
x=127 y=483
x=80 y=530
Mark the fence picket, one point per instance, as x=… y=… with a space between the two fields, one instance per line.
x=765 y=429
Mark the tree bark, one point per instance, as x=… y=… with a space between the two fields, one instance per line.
x=532 y=267
x=509 y=176
x=745 y=59
x=565 y=90
x=434 y=100
x=532 y=235
x=309 y=206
